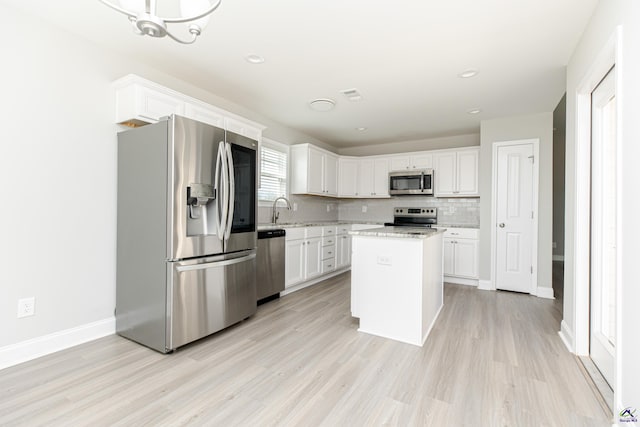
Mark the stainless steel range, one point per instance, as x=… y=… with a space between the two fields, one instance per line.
x=414 y=217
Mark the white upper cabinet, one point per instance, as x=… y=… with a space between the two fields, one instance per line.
x=347 y=177
x=313 y=171
x=456 y=173
x=320 y=172
x=373 y=178
x=410 y=162
x=140 y=102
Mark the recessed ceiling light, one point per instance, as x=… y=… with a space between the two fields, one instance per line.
x=322 y=104
x=254 y=59
x=474 y=111
x=467 y=74
x=361 y=129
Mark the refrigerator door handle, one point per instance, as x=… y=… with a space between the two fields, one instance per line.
x=231 y=197
x=220 y=185
x=206 y=265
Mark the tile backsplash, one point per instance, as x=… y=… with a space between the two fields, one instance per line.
x=455 y=211
x=310 y=208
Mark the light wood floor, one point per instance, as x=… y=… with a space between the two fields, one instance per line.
x=493 y=359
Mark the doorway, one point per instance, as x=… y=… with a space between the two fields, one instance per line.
x=603 y=225
x=515 y=215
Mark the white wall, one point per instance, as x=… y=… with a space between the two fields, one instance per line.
x=58 y=174
x=608 y=15
x=538 y=126
x=466 y=140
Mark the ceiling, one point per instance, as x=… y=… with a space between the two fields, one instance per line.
x=404 y=58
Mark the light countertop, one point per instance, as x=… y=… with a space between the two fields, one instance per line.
x=279 y=225
x=402 y=232
x=311 y=224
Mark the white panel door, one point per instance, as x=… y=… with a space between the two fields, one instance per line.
x=603 y=274
x=514 y=218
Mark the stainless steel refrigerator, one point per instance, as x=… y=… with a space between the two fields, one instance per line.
x=187 y=238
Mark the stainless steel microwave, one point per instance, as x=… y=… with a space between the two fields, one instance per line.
x=406 y=183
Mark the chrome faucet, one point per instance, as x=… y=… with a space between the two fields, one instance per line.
x=275 y=214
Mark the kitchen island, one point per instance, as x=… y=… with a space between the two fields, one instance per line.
x=396 y=281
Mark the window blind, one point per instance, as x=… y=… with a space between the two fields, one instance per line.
x=273 y=173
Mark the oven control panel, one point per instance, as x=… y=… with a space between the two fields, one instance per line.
x=416 y=212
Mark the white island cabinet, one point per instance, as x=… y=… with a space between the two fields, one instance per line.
x=397 y=281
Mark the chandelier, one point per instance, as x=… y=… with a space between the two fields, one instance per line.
x=145 y=21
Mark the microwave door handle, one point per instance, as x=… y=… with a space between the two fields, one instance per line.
x=232 y=190
x=421 y=181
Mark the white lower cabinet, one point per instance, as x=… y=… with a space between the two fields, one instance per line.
x=303 y=255
x=460 y=252
x=343 y=247
x=313 y=252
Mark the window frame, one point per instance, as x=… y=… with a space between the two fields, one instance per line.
x=283 y=148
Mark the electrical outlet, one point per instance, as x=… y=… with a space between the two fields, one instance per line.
x=384 y=260
x=26 y=307
x=364 y=209
x=328 y=208
x=554 y=245
x=295 y=206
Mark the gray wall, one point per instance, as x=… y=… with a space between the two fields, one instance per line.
x=559 y=147
x=538 y=126
x=466 y=140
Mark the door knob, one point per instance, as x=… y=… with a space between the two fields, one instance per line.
x=501 y=225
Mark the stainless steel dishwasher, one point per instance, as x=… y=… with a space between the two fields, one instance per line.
x=270 y=265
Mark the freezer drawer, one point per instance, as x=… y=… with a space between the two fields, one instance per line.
x=209 y=294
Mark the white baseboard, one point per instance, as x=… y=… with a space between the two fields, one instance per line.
x=557 y=258
x=485 y=285
x=544 y=292
x=461 y=281
x=566 y=335
x=24 y=351
x=313 y=281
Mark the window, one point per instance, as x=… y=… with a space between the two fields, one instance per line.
x=273 y=170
